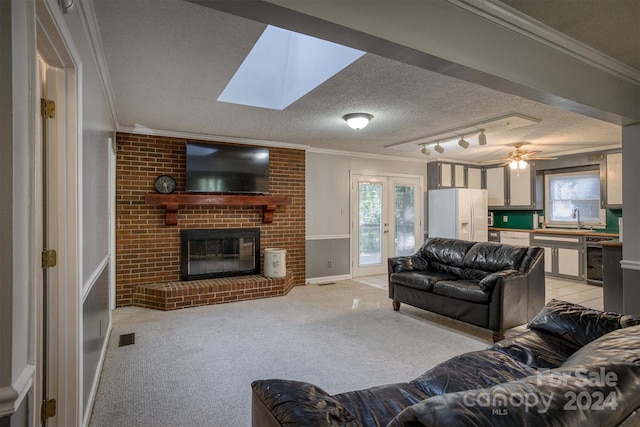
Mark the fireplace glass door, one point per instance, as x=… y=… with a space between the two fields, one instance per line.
x=220 y=253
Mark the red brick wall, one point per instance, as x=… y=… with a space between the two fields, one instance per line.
x=148 y=251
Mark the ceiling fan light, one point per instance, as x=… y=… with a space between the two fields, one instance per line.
x=482 y=138
x=522 y=164
x=357 y=120
x=425 y=150
x=439 y=148
x=513 y=164
x=462 y=143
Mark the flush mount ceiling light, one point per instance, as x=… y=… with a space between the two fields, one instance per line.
x=357 y=120
x=425 y=150
x=462 y=143
x=439 y=148
x=482 y=138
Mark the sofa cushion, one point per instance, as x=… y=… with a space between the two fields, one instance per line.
x=620 y=346
x=537 y=349
x=422 y=280
x=489 y=257
x=477 y=369
x=445 y=255
x=376 y=406
x=465 y=290
x=577 y=324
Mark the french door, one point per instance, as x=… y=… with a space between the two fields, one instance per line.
x=386 y=220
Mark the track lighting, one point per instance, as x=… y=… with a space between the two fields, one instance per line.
x=425 y=150
x=462 y=143
x=482 y=138
x=439 y=148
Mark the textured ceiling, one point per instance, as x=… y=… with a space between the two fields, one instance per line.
x=168 y=61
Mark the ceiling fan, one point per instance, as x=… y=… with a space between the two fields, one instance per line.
x=517 y=159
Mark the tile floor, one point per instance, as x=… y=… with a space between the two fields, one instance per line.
x=568 y=290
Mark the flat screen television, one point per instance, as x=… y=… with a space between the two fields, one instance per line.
x=217 y=168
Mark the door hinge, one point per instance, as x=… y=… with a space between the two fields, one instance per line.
x=48 y=409
x=47 y=108
x=49 y=258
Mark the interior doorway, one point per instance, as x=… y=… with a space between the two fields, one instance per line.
x=57 y=226
x=386 y=220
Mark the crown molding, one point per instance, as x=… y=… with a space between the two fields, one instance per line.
x=529 y=27
x=209 y=137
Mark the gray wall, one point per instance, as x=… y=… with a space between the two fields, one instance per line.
x=97 y=128
x=328 y=205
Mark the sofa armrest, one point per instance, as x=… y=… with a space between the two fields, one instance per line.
x=488 y=282
x=289 y=403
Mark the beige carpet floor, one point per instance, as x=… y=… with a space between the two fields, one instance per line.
x=194 y=367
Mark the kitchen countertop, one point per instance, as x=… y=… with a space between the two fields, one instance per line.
x=571 y=232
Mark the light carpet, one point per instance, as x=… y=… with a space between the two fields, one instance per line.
x=194 y=367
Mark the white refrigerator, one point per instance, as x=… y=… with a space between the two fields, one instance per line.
x=458 y=213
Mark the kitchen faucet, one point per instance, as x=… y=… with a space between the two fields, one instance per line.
x=576 y=214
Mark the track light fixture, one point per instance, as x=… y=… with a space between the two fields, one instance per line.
x=439 y=148
x=482 y=138
x=425 y=150
x=462 y=143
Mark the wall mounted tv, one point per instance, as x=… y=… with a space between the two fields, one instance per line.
x=217 y=168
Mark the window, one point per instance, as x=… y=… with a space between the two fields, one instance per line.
x=571 y=195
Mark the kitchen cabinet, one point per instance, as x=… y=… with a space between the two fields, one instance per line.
x=496 y=183
x=611 y=181
x=564 y=255
x=445 y=175
x=511 y=188
x=474 y=176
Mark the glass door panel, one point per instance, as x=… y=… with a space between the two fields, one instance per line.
x=405 y=220
x=370 y=235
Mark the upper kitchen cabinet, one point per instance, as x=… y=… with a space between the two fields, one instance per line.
x=474 y=176
x=511 y=188
x=496 y=186
x=445 y=175
x=611 y=181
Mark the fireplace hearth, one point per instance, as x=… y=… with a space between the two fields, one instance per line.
x=220 y=252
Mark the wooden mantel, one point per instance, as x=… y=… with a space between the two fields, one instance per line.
x=171 y=202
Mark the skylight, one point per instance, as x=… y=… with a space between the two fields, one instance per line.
x=283 y=66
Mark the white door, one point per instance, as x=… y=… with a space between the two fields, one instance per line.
x=386 y=222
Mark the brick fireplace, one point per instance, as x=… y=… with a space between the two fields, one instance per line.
x=148 y=252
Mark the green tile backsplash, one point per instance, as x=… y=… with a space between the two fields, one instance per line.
x=523 y=220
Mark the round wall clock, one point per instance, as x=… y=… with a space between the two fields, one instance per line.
x=165 y=184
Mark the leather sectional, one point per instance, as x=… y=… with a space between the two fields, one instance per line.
x=572 y=366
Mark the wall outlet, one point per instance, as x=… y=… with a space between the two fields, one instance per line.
x=540 y=219
x=505 y=219
x=329 y=264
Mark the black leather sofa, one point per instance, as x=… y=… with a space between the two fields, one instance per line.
x=491 y=285
x=573 y=366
